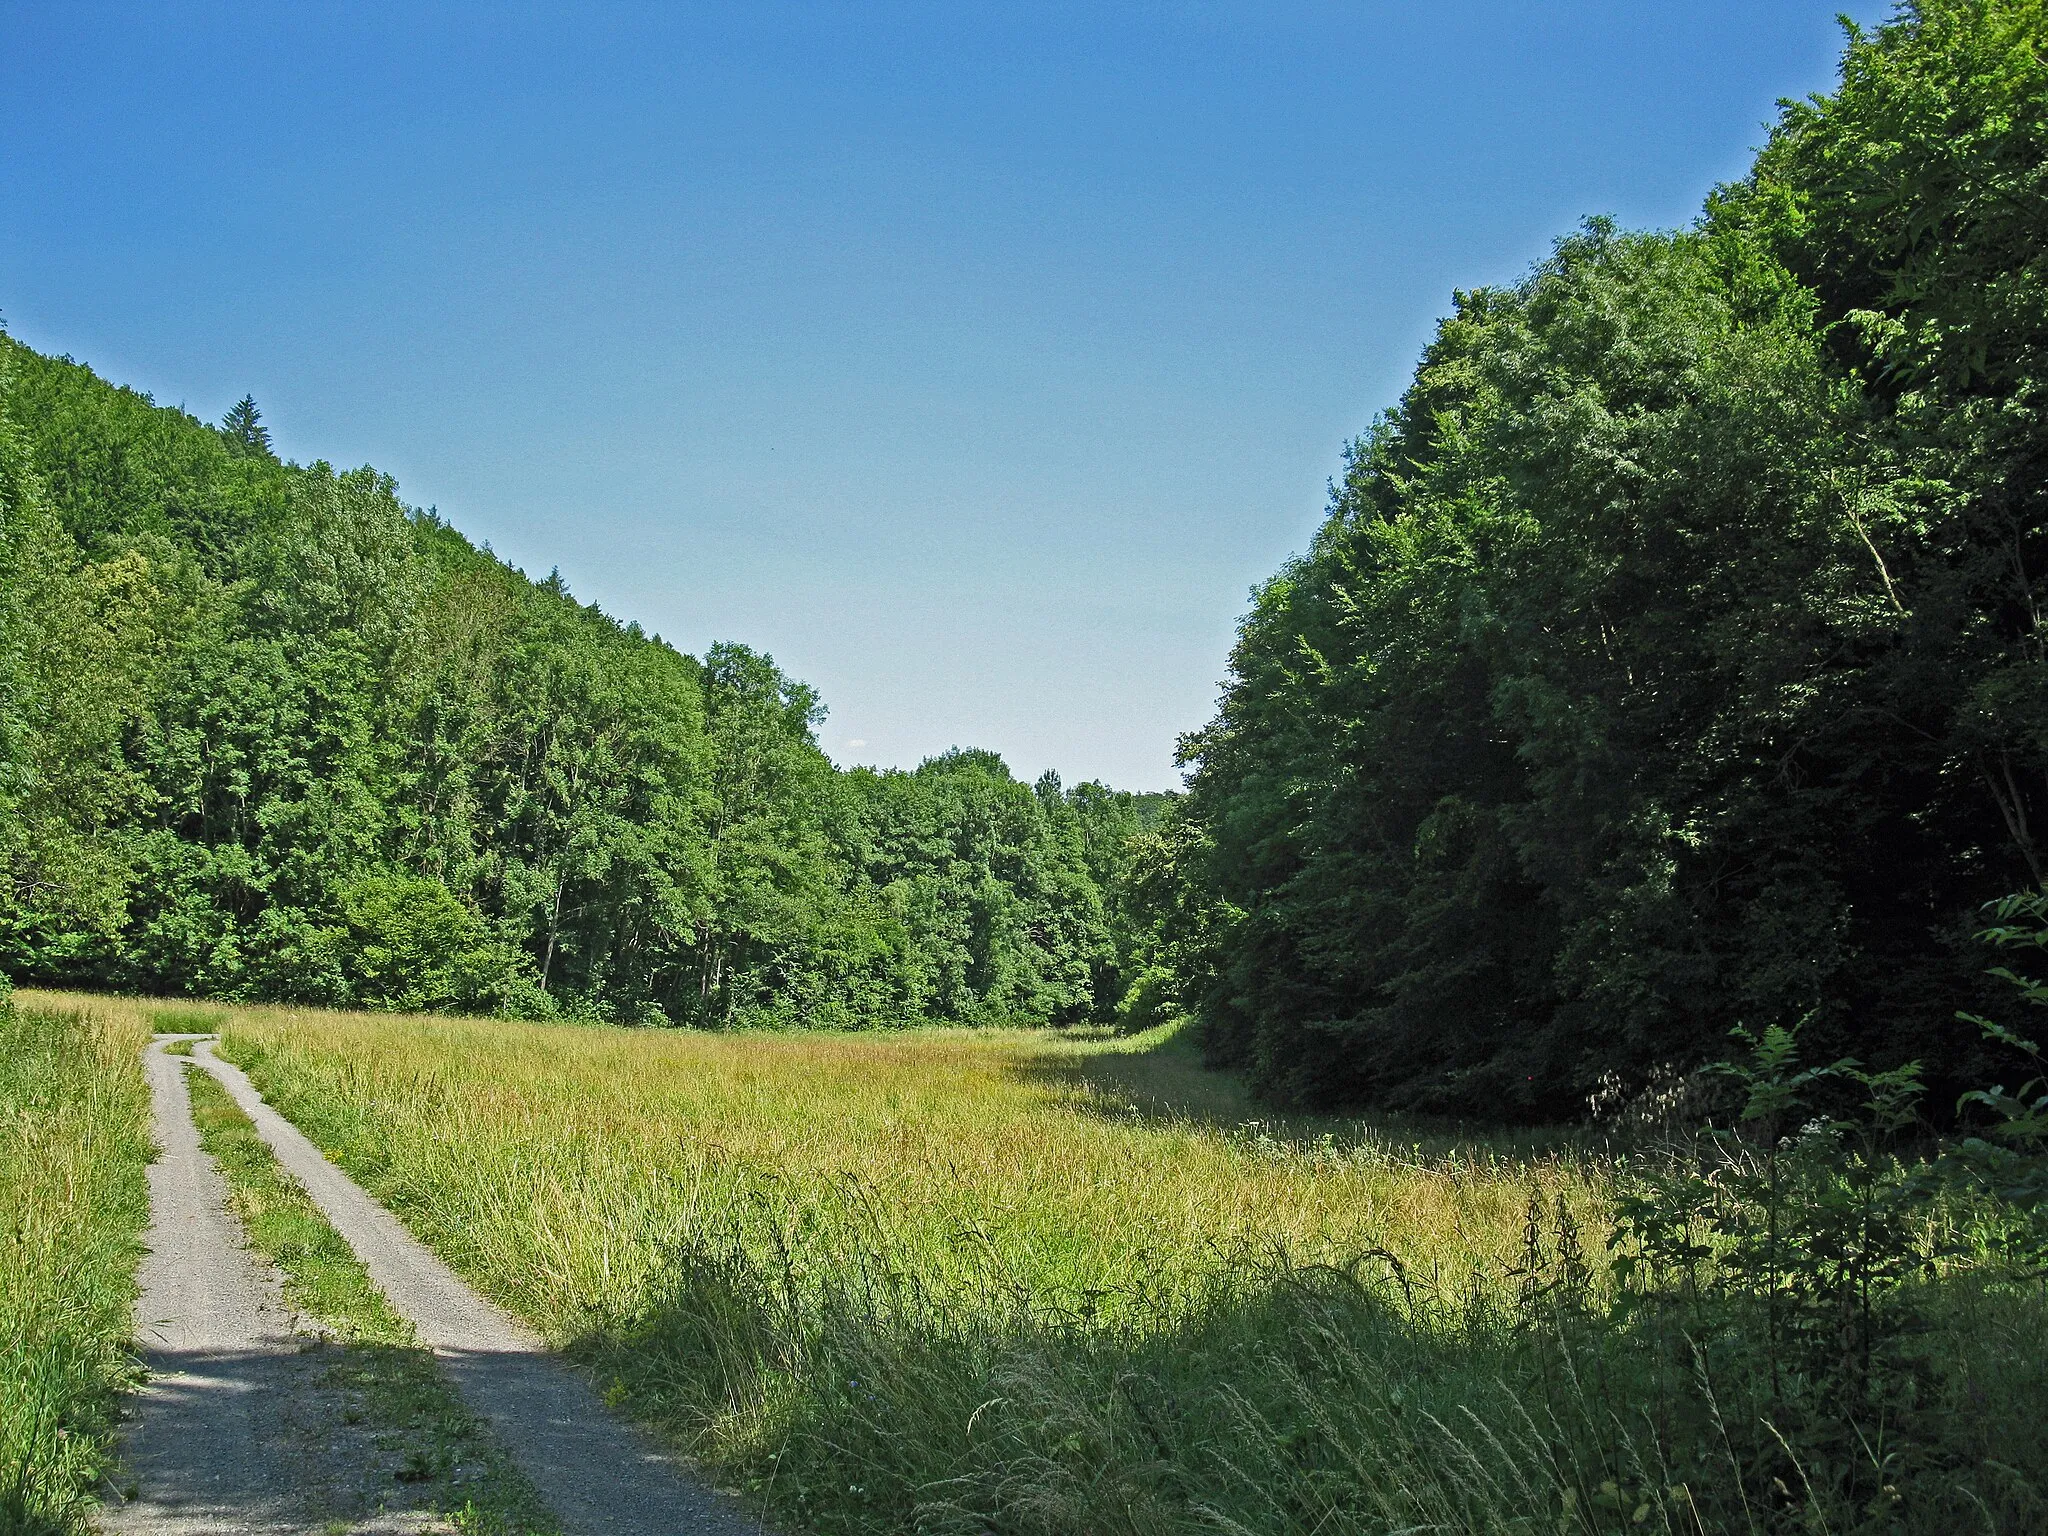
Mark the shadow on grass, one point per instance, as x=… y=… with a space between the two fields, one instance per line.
x=1299 y=1399
x=1158 y=1078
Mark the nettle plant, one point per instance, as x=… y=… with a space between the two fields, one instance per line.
x=1788 y=1258
x=1803 y=1222
x=2008 y=1160
x=1774 y=1264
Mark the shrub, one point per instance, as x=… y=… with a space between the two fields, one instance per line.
x=413 y=946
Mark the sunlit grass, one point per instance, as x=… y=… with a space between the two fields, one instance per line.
x=73 y=1202
x=559 y=1166
x=952 y=1279
x=1025 y=1282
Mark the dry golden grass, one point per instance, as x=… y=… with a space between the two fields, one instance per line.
x=557 y=1164
x=848 y=1270
x=969 y=1282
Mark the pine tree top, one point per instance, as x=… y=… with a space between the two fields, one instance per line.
x=243 y=428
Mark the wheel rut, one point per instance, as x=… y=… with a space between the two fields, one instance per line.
x=236 y=1430
x=213 y=1444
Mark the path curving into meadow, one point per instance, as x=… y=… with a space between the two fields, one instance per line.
x=601 y=1475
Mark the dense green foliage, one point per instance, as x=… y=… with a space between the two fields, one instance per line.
x=267 y=732
x=1671 y=657
x=1670 y=660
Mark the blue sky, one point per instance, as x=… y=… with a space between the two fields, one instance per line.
x=974 y=361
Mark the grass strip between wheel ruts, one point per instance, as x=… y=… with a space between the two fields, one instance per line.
x=380 y=1366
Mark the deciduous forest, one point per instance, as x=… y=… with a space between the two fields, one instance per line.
x=271 y=733
x=1671 y=659
x=1635 y=799
x=1672 y=655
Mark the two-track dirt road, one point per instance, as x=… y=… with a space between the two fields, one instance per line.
x=229 y=1437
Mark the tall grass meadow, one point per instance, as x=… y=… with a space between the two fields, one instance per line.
x=73 y=1201
x=1009 y=1282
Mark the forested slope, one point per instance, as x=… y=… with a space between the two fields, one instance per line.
x=268 y=732
x=1672 y=655
x=1671 y=659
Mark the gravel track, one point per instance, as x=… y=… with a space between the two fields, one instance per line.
x=601 y=1476
x=235 y=1431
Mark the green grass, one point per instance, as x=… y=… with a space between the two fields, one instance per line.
x=952 y=1280
x=184 y=1019
x=390 y=1381
x=1002 y=1283
x=73 y=1202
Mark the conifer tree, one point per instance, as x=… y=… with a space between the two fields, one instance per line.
x=243 y=428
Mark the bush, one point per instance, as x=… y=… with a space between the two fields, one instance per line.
x=1152 y=999
x=412 y=946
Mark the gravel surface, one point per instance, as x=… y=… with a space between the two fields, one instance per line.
x=236 y=1430
x=602 y=1476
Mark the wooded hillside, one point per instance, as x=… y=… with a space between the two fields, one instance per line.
x=268 y=732
x=1671 y=659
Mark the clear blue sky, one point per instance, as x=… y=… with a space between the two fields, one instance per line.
x=973 y=360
